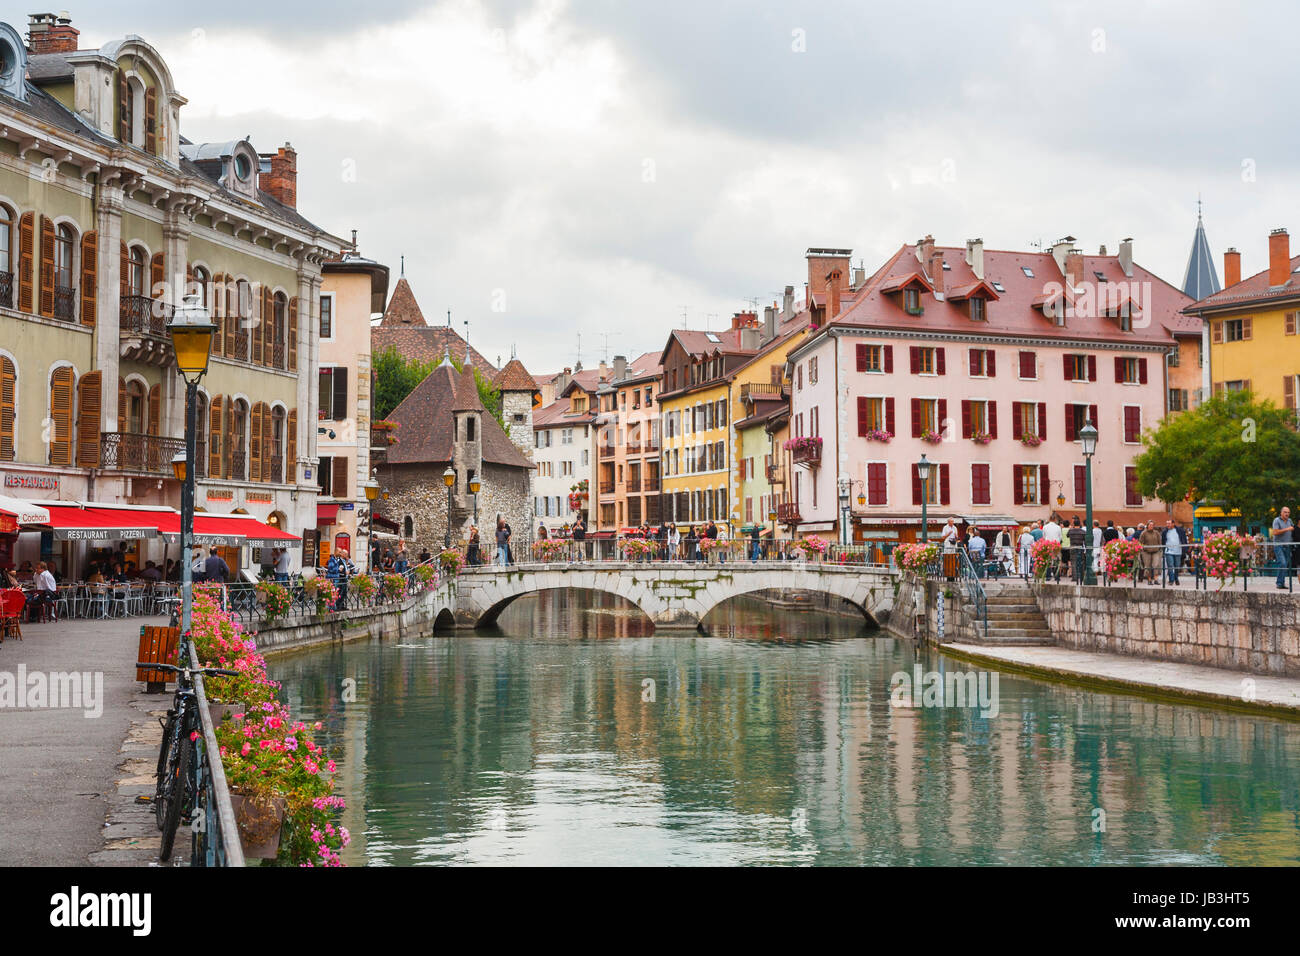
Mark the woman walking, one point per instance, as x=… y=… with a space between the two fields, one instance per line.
x=503 y=539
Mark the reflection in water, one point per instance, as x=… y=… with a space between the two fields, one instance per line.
x=573 y=734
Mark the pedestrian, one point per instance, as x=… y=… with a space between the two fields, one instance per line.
x=502 y=539
x=1173 y=552
x=674 y=542
x=1282 y=533
x=425 y=555
x=401 y=563
x=975 y=547
x=473 y=550
x=1098 y=537
x=1110 y=533
x=1078 y=538
x=1003 y=552
x=43 y=598
x=282 y=566
x=690 y=542
x=1153 y=543
x=753 y=543
x=541 y=532
x=196 y=568
x=949 y=536
x=337 y=571
x=661 y=535
x=1027 y=540
x=215 y=569
x=580 y=537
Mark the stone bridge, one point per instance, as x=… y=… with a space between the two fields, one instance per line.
x=672 y=595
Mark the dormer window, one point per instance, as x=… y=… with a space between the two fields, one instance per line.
x=912 y=301
x=978 y=310
x=243 y=167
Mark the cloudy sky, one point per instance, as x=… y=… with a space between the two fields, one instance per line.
x=560 y=168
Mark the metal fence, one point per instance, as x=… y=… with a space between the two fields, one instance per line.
x=525 y=550
x=215 y=834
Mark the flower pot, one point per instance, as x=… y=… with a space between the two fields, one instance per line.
x=260 y=820
x=220 y=712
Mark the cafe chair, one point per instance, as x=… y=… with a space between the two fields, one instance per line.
x=12 y=602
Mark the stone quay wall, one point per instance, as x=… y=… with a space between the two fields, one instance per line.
x=915 y=614
x=1254 y=631
x=415 y=614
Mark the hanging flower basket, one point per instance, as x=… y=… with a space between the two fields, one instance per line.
x=1224 y=560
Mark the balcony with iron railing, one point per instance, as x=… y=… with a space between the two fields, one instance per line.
x=607 y=487
x=787 y=511
x=651 y=483
x=809 y=453
x=633 y=484
x=7 y=290
x=606 y=451
x=65 y=303
x=130 y=451
x=141 y=315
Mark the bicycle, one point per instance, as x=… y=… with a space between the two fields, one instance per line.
x=177 y=757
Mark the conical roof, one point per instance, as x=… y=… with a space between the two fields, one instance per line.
x=1201 y=280
x=402 y=307
x=515 y=378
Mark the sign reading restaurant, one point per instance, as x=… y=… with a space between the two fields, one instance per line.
x=103 y=534
x=15 y=479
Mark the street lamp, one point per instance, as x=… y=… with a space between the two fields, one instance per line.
x=448 y=479
x=923 y=472
x=371 y=488
x=474 y=486
x=191 y=332
x=1088 y=436
x=771 y=516
x=844 y=510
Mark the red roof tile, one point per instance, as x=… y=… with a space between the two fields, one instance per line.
x=1252 y=289
x=427 y=423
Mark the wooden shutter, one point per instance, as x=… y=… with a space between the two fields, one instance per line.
x=914 y=357
x=61 y=415
x=991 y=413
x=991 y=365
x=215 y=443
x=234 y=443
x=123 y=107
x=26 y=259
x=944 y=486
x=1246 y=332
x=255 y=444
x=230 y=295
x=157 y=276
x=1069 y=423
x=1028 y=365
x=974 y=361
x=1092 y=415
x=1017 y=421
x=1044 y=486
x=293 y=334
x=1290 y=323
x=862 y=413
x=889 y=414
x=1017 y=490
x=916 y=486
x=270 y=327
x=861 y=355
x=939 y=361
x=268 y=443
x=8 y=388
x=1068 y=362
x=943 y=416
x=339 y=405
x=259 y=325
x=89 y=277
x=1092 y=368
x=217 y=303
x=1216 y=332
x=151 y=121
x=889 y=358
x=121 y=405
x=291 y=442
x=125 y=274
x=1042 y=421
x=339 y=480
x=47 y=267
x=1288 y=393
x=155 y=409
x=916 y=418
x=1142 y=371
x=965 y=418
x=89 y=403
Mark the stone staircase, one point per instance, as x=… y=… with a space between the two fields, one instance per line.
x=1014 y=618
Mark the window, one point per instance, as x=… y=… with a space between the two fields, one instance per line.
x=912 y=301
x=877 y=483
x=926 y=416
x=812 y=370
x=871 y=414
x=1132 y=424
x=1076 y=416
x=1077 y=368
x=135 y=284
x=979 y=419
x=1179 y=400
x=977 y=309
x=1173 y=358
x=983 y=363
x=1235 y=330
x=1029 y=418
x=64 y=242
x=926 y=360
x=1131 y=371
x=326 y=317
x=1029 y=365
x=470 y=424
x=875 y=358
x=1029 y=273
x=1132 y=497
x=1029 y=484
x=935 y=489
x=981 y=492
x=6 y=252
x=333 y=394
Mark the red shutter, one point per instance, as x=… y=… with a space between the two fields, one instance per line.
x=916 y=486
x=975 y=361
x=993 y=418
x=1119 y=369
x=862 y=413
x=965 y=418
x=889 y=415
x=1028 y=365
x=1017 y=492
x=89 y=276
x=1092 y=415
x=861 y=351
x=1017 y=425
x=889 y=358
x=1044 y=485
x=876 y=485
x=1069 y=423
x=914 y=357
x=943 y=416
x=1042 y=421
x=944 y=487
x=1142 y=370
x=1068 y=367
x=916 y=418
x=1080 y=484
x=939 y=360
x=992 y=363
x=1092 y=368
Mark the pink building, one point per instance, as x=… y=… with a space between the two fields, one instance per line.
x=988 y=363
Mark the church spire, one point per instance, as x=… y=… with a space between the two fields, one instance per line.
x=1202 y=279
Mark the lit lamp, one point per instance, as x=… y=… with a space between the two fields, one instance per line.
x=371 y=488
x=191 y=332
x=1088 y=437
x=474 y=486
x=923 y=473
x=448 y=479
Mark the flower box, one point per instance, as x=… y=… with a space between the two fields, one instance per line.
x=878 y=434
x=981 y=438
x=932 y=438
x=260 y=820
x=1030 y=440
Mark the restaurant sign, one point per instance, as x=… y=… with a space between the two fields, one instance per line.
x=221 y=494
x=103 y=534
x=8 y=524
x=262 y=496
x=37 y=482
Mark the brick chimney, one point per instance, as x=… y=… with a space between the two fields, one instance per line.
x=834 y=278
x=934 y=268
x=1231 y=268
x=282 y=181
x=1074 y=268
x=1279 y=257
x=744 y=320
x=47 y=33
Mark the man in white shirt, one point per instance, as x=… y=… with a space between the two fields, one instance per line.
x=1052 y=530
x=46 y=590
x=282 y=565
x=1096 y=545
x=949 y=536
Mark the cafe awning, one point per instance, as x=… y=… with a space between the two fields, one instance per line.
x=326 y=514
x=230 y=531
x=85 y=521
x=18 y=511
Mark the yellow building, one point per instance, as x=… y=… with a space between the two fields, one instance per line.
x=1254 y=327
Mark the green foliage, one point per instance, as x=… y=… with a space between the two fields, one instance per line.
x=1232 y=449
x=396 y=377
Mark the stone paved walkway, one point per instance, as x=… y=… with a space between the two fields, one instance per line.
x=62 y=774
x=1211 y=684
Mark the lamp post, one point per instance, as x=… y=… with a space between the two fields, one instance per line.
x=448 y=479
x=771 y=516
x=844 y=510
x=1088 y=436
x=191 y=332
x=923 y=472
x=474 y=486
x=372 y=495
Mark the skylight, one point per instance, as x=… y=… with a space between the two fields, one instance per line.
x=711 y=337
x=1100 y=277
x=997 y=287
x=1027 y=271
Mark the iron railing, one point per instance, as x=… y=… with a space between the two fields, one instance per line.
x=969 y=576
x=141 y=315
x=130 y=451
x=7 y=290
x=216 y=840
x=65 y=303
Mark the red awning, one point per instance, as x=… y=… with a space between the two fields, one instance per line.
x=228 y=530
x=326 y=514
x=74 y=523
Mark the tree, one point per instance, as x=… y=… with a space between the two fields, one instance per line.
x=1233 y=449
x=397 y=376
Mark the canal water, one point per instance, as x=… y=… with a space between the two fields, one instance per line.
x=572 y=734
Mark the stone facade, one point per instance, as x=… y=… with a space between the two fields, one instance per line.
x=517 y=411
x=1255 y=631
x=417 y=491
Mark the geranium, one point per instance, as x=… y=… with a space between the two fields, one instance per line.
x=639 y=547
x=1120 y=558
x=1030 y=439
x=394 y=586
x=274 y=598
x=878 y=434
x=451 y=561
x=427 y=575
x=550 y=549
x=917 y=557
x=810 y=545
x=804 y=442
x=932 y=437
x=1045 y=555
x=1223 y=557
x=366 y=587
x=327 y=595
x=981 y=438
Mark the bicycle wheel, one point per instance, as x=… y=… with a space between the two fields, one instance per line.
x=176 y=796
x=167 y=756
